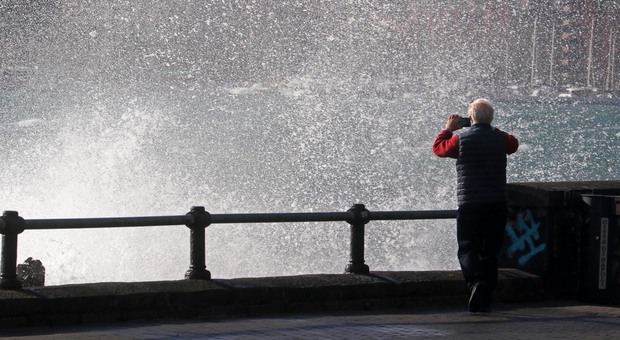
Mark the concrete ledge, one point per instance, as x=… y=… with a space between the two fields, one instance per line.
x=118 y=301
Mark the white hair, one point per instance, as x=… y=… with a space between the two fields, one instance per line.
x=481 y=111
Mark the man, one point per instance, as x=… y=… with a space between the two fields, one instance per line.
x=480 y=154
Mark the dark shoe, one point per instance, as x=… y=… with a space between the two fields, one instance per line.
x=478 y=300
x=488 y=300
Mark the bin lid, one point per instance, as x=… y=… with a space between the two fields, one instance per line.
x=611 y=200
x=558 y=194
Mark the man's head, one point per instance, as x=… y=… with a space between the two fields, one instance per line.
x=481 y=111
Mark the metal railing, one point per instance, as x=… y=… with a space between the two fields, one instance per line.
x=11 y=225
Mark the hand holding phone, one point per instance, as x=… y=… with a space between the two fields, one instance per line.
x=464 y=122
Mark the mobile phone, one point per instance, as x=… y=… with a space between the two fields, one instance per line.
x=464 y=122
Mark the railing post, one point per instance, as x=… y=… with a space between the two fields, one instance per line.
x=11 y=224
x=361 y=217
x=197 y=269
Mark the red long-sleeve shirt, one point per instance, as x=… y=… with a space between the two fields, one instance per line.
x=447 y=144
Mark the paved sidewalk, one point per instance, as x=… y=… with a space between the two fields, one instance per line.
x=549 y=320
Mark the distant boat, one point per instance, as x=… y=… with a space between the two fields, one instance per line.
x=588 y=95
x=579 y=92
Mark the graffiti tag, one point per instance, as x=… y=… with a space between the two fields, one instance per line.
x=523 y=236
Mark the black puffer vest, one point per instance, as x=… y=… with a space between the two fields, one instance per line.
x=481 y=166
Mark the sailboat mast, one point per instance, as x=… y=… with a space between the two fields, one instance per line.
x=533 y=66
x=613 y=64
x=551 y=54
x=609 y=80
x=588 y=80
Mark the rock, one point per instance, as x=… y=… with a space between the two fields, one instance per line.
x=31 y=273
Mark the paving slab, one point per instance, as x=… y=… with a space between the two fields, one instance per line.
x=564 y=319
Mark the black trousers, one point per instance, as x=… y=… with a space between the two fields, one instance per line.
x=480 y=232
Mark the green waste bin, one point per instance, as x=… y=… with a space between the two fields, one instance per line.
x=600 y=260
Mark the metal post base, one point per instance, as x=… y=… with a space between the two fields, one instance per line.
x=10 y=283
x=194 y=274
x=361 y=269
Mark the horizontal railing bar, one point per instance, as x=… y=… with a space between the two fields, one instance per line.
x=412 y=215
x=282 y=217
x=108 y=222
x=145 y=221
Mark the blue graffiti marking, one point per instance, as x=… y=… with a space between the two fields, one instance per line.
x=522 y=235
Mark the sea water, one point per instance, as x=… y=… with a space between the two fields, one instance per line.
x=301 y=145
